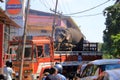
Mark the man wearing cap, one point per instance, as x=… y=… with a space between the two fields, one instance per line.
x=59 y=74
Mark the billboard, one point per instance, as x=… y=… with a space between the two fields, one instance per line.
x=15 y=9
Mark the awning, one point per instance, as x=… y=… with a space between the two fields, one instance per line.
x=6 y=20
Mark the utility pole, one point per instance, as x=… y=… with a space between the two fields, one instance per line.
x=24 y=40
x=54 y=20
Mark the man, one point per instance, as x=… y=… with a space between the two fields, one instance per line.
x=79 y=57
x=8 y=71
x=52 y=75
x=59 y=75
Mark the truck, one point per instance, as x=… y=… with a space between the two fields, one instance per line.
x=40 y=56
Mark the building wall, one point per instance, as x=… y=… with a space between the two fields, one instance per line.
x=1 y=46
x=42 y=25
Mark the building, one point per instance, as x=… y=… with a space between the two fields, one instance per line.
x=40 y=23
x=6 y=26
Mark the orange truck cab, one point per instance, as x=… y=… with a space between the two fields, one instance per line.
x=38 y=57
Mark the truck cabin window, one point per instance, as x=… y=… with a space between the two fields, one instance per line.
x=28 y=52
x=40 y=51
x=47 y=49
x=43 y=50
x=17 y=51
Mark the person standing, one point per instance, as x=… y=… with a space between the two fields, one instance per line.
x=52 y=75
x=78 y=72
x=8 y=71
x=45 y=75
x=79 y=57
x=59 y=74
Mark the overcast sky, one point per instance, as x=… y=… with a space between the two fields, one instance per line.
x=91 y=26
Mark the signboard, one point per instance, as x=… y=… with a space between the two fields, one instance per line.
x=15 y=10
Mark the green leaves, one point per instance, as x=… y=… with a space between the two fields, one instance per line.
x=111 y=35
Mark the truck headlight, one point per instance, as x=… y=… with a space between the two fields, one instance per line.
x=28 y=71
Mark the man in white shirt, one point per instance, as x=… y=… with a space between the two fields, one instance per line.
x=8 y=71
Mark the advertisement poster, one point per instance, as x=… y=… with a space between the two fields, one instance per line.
x=15 y=10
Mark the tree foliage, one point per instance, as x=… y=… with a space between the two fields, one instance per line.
x=111 y=35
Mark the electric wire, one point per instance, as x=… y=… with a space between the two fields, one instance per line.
x=50 y=3
x=88 y=15
x=62 y=6
x=68 y=7
x=88 y=9
x=42 y=2
x=46 y=6
x=53 y=2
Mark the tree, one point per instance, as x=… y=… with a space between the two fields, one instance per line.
x=111 y=35
x=116 y=44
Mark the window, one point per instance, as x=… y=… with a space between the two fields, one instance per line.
x=44 y=31
x=40 y=51
x=34 y=51
x=47 y=49
x=17 y=51
x=89 y=70
x=28 y=52
x=112 y=66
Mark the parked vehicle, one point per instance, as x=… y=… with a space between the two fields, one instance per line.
x=80 y=69
x=113 y=74
x=94 y=68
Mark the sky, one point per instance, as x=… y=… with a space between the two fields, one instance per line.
x=91 y=26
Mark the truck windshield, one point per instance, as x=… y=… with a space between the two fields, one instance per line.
x=16 y=50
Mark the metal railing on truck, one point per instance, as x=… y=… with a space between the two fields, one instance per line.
x=73 y=55
x=77 y=52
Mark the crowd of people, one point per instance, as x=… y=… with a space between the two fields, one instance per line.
x=55 y=73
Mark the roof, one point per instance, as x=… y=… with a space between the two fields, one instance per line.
x=6 y=20
x=40 y=13
x=105 y=61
